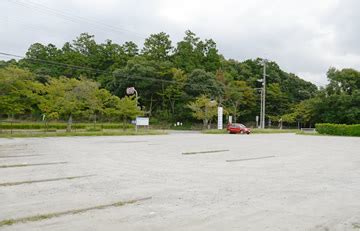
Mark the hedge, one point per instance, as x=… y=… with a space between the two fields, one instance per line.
x=21 y=125
x=338 y=129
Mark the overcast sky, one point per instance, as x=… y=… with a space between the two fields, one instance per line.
x=304 y=37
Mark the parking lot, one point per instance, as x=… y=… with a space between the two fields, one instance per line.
x=181 y=181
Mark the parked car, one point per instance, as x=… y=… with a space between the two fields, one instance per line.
x=238 y=128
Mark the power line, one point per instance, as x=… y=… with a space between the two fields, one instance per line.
x=72 y=18
x=54 y=63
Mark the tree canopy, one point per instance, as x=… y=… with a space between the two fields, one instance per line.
x=85 y=78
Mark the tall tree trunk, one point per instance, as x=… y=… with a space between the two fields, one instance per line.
x=151 y=104
x=124 y=121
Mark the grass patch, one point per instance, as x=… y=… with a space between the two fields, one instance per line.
x=44 y=180
x=27 y=165
x=17 y=156
x=272 y=131
x=204 y=152
x=59 y=125
x=84 y=133
x=214 y=131
x=253 y=131
x=256 y=158
x=69 y=212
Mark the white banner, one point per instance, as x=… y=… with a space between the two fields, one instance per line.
x=142 y=121
x=220 y=118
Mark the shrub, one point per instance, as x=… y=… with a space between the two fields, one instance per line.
x=338 y=129
x=59 y=125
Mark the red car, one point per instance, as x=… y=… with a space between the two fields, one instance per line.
x=238 y=128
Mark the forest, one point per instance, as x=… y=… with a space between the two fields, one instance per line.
x=85 y=80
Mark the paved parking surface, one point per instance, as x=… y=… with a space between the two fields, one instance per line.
x=227 y=182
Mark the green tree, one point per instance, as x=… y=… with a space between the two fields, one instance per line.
x=66 y=98
x=157 y=47
x=200 y=82
x=240 y=99
x=343 y=81
x=203 y=109
x=127 y=109
x=18 y=91
x=174 y=93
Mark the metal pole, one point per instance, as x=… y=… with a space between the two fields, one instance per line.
x=261 y=106
x=136 y=99
x=264 y=93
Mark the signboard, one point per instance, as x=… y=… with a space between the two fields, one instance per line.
x=142 y=121
x=220 y=118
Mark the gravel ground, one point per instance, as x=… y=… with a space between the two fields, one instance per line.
x=245 y=182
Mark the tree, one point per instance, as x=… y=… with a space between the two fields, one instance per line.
x=343 y=81
x=127 y=109
x=157 y=47
x=239 y=98
x=18 y=91
x=203 y=109
x=192 y=53
x=65 y=98
x=276 y=100
x=201 y=82
x=131 y=49
x=174 y=92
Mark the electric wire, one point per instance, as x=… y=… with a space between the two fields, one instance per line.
x=98 y=71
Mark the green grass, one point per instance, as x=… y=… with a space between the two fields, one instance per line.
x=318 y=134
x=214 y=131
x=69 y=212
x=83 y=133
x=43 y=180
x=59 y=125
x=271 y=131
x=204 y=152
x=27 y=165
x=253 y=131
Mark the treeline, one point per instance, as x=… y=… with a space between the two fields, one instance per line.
x=171 y=77
x=61 y=98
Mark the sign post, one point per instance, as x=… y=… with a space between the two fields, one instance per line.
x=141 y=121
x=220 y=118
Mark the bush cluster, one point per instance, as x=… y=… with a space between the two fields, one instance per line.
x=338 y=129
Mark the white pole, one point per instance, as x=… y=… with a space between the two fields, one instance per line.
x=264 y=94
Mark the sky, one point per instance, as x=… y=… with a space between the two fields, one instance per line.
x=304 y=37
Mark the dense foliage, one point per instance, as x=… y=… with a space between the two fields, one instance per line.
x=86 y=79
x=61 y=98
x=338 y=129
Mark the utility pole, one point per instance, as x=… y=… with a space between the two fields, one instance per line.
x=261 y=107
x=263 y=95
